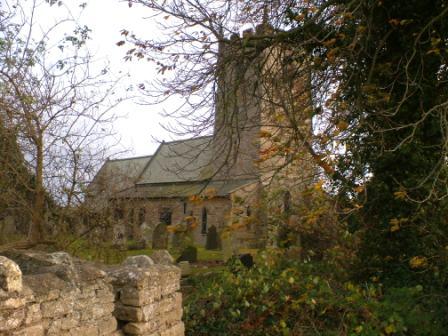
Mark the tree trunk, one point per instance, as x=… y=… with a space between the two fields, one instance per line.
x=35 y=232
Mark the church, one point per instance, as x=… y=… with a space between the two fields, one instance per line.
x=218 y=180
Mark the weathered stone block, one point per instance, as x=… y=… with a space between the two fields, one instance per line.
x=128 y=313
x=85 y=330
x=140 y=261
x=46 y=286
x=10 y=275
x=104 y=295
x=107 y=326
x=176 y=330
x=90 y=274
x=33 y=314
x=13 y=302
x=36 y=330
x=66 y=323
x=169 y=303
x=139 y=297
x=101 y=310
x=162 y=257
x=135 y=277
x=53 y=309
x=141 y=328
x=149 y=311
x=11 y=319
x=117 y=333
x=171 y=317
x=83 y=304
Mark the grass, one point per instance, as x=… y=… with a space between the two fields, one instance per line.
x=109 y=254
x=203 y=254
x=209 y=255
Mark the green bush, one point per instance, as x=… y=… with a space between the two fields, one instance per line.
x=283 y=297
x=212 y=242
x=190 y=254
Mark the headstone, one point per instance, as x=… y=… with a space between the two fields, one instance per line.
x=119 y=239
x=212 y=242
x=190 y=253
x=185 y=268
x=162 y=257
x=160 y=237
x=8 y=226
x=147 y=232
x=247 y=260
x=229 y=246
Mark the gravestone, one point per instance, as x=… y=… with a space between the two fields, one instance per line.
x=229 y=246
x=8 y=227
x=160 y=237
x=119 y=236
x=212 y=242
x=147 y=232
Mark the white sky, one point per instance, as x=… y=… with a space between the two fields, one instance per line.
x=138 y=125
x=106 y=18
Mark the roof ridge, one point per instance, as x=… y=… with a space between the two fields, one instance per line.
x=132 y=158
x=147 y=164
x=184 y=140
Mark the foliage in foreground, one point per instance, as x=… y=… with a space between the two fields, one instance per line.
x=284 y=297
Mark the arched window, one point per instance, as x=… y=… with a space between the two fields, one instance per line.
x=118 y=213
x=286 y=201
x=131 y=216
x=165 y=216
x=141 y=216
x=204 y=221
x=248 y=211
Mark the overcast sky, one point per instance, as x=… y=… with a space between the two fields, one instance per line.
x=137 y=125
x=106 y=18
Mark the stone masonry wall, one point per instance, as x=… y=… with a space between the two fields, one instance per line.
x=53 y=294
x=218 y=213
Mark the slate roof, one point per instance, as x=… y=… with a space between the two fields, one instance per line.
x=180 y=161
x=119 y=174
x=180 y=168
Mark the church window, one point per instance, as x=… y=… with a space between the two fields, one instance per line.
x=118 y=213
x=141 y=215
x=286 y=201
x=204 y=221
x=131 y=215
x=185 y=207
x=165 y=216
x=248 y=211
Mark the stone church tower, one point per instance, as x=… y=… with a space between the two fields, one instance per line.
x=261 y=116
x=238 y=108
x=262 y=129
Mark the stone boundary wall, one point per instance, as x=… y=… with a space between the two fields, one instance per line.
x=54 y=294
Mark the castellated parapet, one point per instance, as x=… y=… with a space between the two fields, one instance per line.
x=54 y=294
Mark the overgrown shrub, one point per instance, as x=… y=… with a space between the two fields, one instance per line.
x=212 y=242
x=279 y=296
x=190 y=254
